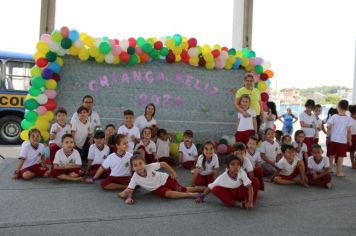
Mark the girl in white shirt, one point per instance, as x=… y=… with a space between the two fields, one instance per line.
x=207 y=167
x=255 y=158
x=98 y=152
x=163 y=144
x=146 y=146
x=319 y=168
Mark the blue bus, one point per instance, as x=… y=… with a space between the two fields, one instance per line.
x=15 y=76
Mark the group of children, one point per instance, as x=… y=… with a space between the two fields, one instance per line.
x=131 y=158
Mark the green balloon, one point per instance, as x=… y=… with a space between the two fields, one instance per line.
x=131 y=50
x=56 y=36
x=104 y=47
x=232 y=51
x=154 y=54
x=223 y=141
x=178 y=39
x=105 y=38
x=141 y=41
x=245 y=52
x=179 y=137
x=133 y=60
x=252 y=54
x=66 y=43
x=259 y=69
x=38 y=82
x=31 y=116
x=30 y=104
x=33 y=91
x=25 y=124
x=51 y=56
x=164 y=51
x=147 y=47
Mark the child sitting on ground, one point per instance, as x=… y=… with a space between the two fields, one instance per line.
x=286 y=139
x=110 y=133
x=270 y=153
x=163 y=148
x=319 y=168
x=131 y=131
x=146 y=146
x=300 y=147
x=188 y=152
x=98 y=152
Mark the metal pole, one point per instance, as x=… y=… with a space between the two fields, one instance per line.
x=48 y=12
x=354 y=88
x=242 y=24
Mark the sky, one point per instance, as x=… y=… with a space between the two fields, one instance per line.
x=309 y=43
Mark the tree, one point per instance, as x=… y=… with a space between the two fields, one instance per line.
x=332 y=99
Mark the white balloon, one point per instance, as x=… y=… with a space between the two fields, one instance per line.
x=109 y=58
x=193 y=52
x=124 y=43
x=54 y=47
x=79 y=44
x=224 y=55
x=97 y=42
x=42 y=99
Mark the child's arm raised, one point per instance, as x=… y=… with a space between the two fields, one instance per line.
x=171 y=172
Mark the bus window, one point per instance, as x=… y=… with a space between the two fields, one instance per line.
x=18 y=75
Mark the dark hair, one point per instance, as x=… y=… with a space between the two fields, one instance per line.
x=268 y=129
x=161 y=131
x=272 y=106
x=154 y=108
x=33 y=130
x=318 y=106
x=137 y=156
x=188 y=133
x=297 y=133
x=118 y=138
x=253 y=137
x=128 y=113
x=316 y=146
x=286 y=147
x=87 y=96
x=82 y=108
x=145 y=129
x=286 y=136
x=109 y=125
x=332 y=111
x=99 y=134
x=310 y=104
x=231 y=158
x=61 y=110
x=206 y=143
x=239 y=146
x=279 y=132
x=66 y=136
x=248 y=75
x=343 y=104
x=245 y=96
x=352 y=109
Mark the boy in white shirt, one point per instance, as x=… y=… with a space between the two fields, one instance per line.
x=98 y=152
x=128 y=129
x=188 y=152
x=147 y=147
x=319 y=168
x=163 y=144
x=307 y=123
x=300 y=147
x=339 y=136
x=318 y=122
x=270 y=153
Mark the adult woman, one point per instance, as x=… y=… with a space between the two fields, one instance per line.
x=147 y=120
x=288 y=120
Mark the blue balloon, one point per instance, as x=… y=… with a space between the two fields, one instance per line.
x=73 y=35
x=268 y=83
x=236 y=64
x=55 y=67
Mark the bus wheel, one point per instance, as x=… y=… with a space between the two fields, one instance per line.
x=10 y=129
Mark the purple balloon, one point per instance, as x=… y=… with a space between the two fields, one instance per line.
x=258 y=61
x=47 y=73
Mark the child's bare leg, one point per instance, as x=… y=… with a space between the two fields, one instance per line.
x=73 y=174
x=124 y=194
x=28 y=175
x=329 y=185
x=303 y=176
x=331 y=162
x=339 y=171
x=69 y=178
x=114 y=186
x=279 y=180
x=353 y=160
x=46 y=174
x=175 y=194
x=196 y=189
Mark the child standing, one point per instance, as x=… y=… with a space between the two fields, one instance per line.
x=254 y=156
x=82 y=131
x=207 y=167
x=163 y=148
x=58 y=129
x=270 y=153
x=233 y=187
x=188 y=152
x=352 y=148
x=147 y=147
x=301 y=147
x=161 y=184
x=98 y=152
x=319 y=168
x=119 y=164
x=318 y=122
x=131 y=131
x=246 y=125
x=269 y=117
x=31 y=160
x=307 y=123
x=289 y=168
x=339 y=135
x=67 y=162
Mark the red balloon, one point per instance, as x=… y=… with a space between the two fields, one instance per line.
x=215 y=53
x=124 y=56
x=116 y=41
x=184 y=55
x=56 y=77
x=264 y=76
x=171 y=58
x=158 y=45
x=192 y=42
x=229 y=149
x=41 y=62
x=224 y=49
x=132 y=42
x=50 y=105
x=264 y=97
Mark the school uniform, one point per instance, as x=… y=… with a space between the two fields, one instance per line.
x=97 y=156
x=287 y=170
x=32 y=159
x=338 y=138
x=257 y=170
x=56 y=143
x=154 y=181
x=141 y=122
x=120 y=169
x=189 y=155
x=309 y=132
x=318 y=167
x=206 y=175
x=149 y=149
x=229 y=189
x=82 y=131
x=352 y=148
x=318 y=125
x=163 y=152
x=93 y=118
x=300 y=154
x=271 y=150
x=245 y=129
x=129 y=132
x=61 y=159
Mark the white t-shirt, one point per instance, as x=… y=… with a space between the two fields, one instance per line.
x=141 y=122
x=268 y=124
x=119 y=165
x=318 y=124
x=31 y=155
x=162 y=148
x=93 y=118
x=353 y=126
x=247 y=166
x=96 y=155
x=62 y=159
x=129 y=132
x=63 y=130
x=153 y=179
x=254 y=158
x=285 y=167
x=303 y=149
x=82 y=130
x=318 y=167
x=339 y=127
x=271 y=150
x=246 y=123
x=209 y=166
x=189 y=154
x=308 y=120
x=150 y=147
x=224 y=180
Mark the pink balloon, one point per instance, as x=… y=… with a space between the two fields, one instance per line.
x=258 y=61
x=46 y=38
x=41 y=110
x=116 y=50
x=252 y=61
x=64 y=31
x=138 y=50
x=51 y=94
x=222 y=148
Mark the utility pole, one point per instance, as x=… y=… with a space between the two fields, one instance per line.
x=242 y=24
x=354 y=88
x=48 y=12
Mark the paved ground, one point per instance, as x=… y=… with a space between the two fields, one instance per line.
x=49 y=207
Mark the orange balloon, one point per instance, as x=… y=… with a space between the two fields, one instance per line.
x=269 y=73
x=144 y=57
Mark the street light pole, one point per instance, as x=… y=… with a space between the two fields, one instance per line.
x=48 y=12
x=354 y=88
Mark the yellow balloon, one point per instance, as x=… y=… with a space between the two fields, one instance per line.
x=24 y=135
x=174 y=149
x=184 y=45
x=51 y=84
x=217 y=46
x=245 y=62
x=206 y=49
x=100 y=58
x=178 y=58
x=89 y=41
x=177 y=50
x=150 y=41
x=94 y=51
x=239 y=53
x=41 y=123
x=208 y=57
x=44 y=135
x=262 y=86
x=230 y=59
x=38 y=55
x=83 y=54
x=82 y=36
x=194 y=61
x=249 y=68
x=73 y=50
x=59 y=60
x=48 y=116
x=170 y=43
x=210 y=65
x=42 y=47
x=116 y=60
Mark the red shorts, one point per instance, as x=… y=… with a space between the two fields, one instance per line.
x=258 y=173
x=321 y=182
x=353 y=146
x=243 y=136
x=150 y=158
x=292 y=176
x=188 y=164
x=124 y=180
x=170 y=185
x=53 y=148
x=309 y=141
x=337 y=149
x=204 y=180
x=57 y=172
x=38 y=169
x=94 y=168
